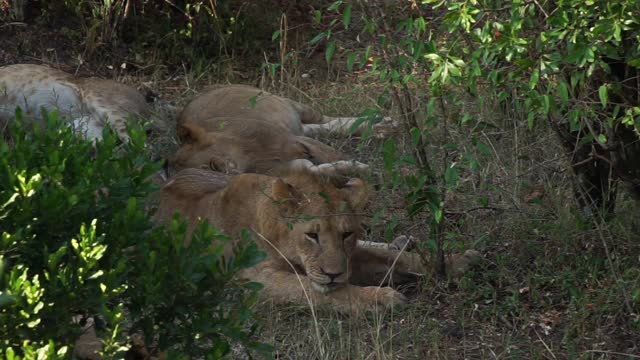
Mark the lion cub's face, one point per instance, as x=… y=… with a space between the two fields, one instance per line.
x=325 y=246
x=324 y=228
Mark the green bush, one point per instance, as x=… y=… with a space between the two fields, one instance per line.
x=76 y=239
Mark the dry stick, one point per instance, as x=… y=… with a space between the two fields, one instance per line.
x=13 y=24
x=440 y=268
x=545 y=344
x=283 y=47
x=613 y=353
x=304 y=290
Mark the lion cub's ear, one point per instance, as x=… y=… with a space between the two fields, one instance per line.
x=282 y=192
x=357 y=191
x=190 y=133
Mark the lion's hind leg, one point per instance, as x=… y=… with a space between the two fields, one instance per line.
x=384 y=266
x=316 y=124
x=350 y=126
x=380 y=266
x=335 y=168
x=330 y=125
x=401 y=242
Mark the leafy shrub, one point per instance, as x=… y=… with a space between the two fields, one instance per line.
x=76 y=240
x=572 y=66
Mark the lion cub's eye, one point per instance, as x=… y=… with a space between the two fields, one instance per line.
x=312 y=236
x=212 y=166
x=308 y=155
x=346 y=235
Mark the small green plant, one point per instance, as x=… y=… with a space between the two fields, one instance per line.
x=75 y=239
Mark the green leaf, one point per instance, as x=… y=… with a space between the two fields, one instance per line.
x=602 y=139
x=389 y=153
x=416 y=136
x=318 y=38
x=563 y=92
x=451 y=176
x=6 y=300
x=346 y=16
x=350 y=61
x=530 y=118
x=335 y=5
x=533 y=81
x=483 y=201
x=602 y=92
x=331 y=49
x=546 y=103
x=483 y=148
x=437 y=215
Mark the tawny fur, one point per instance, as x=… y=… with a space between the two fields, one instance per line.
x=284 y=214
x=87 y=103
x=239 y=128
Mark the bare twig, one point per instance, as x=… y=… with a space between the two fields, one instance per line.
x=13 y=24
x=613 y=353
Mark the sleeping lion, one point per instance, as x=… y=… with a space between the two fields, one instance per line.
x=87 y=103
x=239 y=128
x=308 y=225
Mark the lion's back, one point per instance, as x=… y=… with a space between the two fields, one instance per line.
x=241 y=101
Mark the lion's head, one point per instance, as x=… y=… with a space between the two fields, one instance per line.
x=245 y=145
x=318 y=223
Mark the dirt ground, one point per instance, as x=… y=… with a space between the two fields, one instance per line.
x=547 y=290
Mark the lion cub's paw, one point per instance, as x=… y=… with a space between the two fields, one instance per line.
x=357 y=300
x=402 y=242
x=383 y=296
x=385 y=128
x=341 y=167
x=460 y=264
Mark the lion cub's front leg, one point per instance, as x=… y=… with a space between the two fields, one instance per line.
x=283 y=286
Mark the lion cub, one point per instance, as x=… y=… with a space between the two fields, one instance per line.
x=239 y=128
x=308 y=225
x=88 y=103
x=244 y=101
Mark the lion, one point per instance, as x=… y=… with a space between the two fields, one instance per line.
x=244 y=101
x=308 y=225
x=239 y=128
x=88 y=103
x=249 y=145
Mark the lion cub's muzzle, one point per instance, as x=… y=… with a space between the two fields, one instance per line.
x=325 y=282
x=325 y=288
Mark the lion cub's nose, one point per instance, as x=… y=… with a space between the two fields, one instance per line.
x=331 y=276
